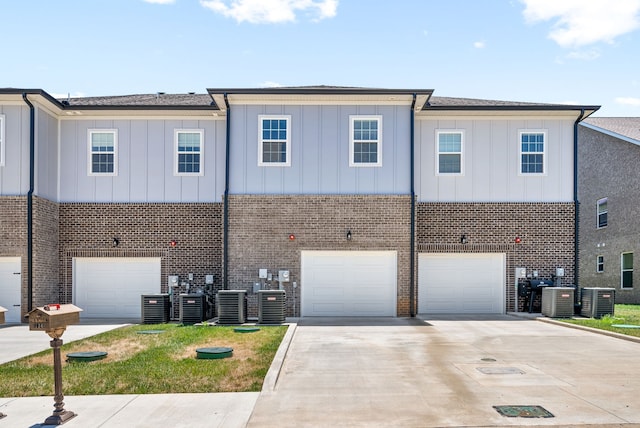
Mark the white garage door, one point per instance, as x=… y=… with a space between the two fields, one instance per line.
x=461 y=283
x=10 y=280
x=348 y=283
x=111 y=287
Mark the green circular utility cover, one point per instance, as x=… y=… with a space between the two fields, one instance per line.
x=625 y=325
x=86 y=356
x=150 y=331
x=246 y=329
x=213 y=353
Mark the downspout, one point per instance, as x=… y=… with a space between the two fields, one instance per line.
x=32 y=144
x=412 y=244
x=576 y=204
x=225 y=215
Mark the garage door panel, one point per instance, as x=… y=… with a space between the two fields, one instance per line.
x=111 y=287
x=461 y=283
x=349 y=283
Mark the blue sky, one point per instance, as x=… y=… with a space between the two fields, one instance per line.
x=557 y=51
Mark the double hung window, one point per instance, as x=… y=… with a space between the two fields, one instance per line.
x=274 y=142
x=365 y=141
x=1 y=140
x=103 y=152
x=626 y=271
x=603 y=213
x=449 y=157
x=600 y=264
x=532 y=152
x=189 y=151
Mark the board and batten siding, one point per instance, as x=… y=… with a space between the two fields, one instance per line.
x=146 y=154
x=14 y=174
x=491 y=162
x=46 y=160
x=319 y=152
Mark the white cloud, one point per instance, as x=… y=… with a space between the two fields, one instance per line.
x=269 y=84
x=272 y=11
x=160 y=1
x=588 y=55
x=628 y=101
x=580 y=23
x=479 y=45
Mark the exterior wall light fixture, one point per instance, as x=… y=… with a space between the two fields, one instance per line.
x=173 y=243
x=348 y=235
x=292 y=237
x=115 y=242
x=517 y=240
x=463 y=239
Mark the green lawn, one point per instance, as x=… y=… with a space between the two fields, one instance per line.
x=150 y=363
x=623 y=315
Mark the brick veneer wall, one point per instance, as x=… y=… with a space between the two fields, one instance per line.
x=547 y=231
x=13 y=235
x=46 y=288
x=144 y=230
x=259 y=229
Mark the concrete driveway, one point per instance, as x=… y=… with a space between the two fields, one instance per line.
x=447 y=372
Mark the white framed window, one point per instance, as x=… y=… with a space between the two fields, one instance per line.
x=189 y=156
x=103 y=152
x=449 y=152
x=365 y=141
x=274 y=142
x=600 y=264
x=2 y=140
x=533 y=147
x=626 y=270
x=602 y=213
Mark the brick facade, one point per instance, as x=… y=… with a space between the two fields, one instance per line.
x=13 y=235
x=546 y=230
x=259 y=229
x=144 y=230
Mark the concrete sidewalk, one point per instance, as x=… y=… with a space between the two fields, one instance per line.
x=394 y=372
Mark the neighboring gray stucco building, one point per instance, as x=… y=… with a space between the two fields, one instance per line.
x=609 y=194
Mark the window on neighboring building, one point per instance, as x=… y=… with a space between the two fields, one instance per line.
x=600 y=264
x=103 y=147
x=627 y=270
x=449 y=157
x=1 y=139
x=365 y=141
x=189 y=147
x=274 y=144
x=532 y=152
x=603 y=213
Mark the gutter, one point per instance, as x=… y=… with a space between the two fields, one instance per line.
x=225 y=215
x=32 y=144
x=576 y=203
x=412 y=244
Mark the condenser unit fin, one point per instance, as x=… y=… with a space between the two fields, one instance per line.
x=272 y=306
x=231 y=306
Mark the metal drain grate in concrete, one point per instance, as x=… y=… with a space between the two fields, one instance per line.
x=524 y=411
x=499 y=370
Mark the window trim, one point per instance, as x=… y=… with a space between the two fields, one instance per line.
x=2 y=136
x=623 y=270
x=352 y=141
x=90 y=171
x=600 y=263
x=176 y=154
x=598 y=213
x=438 y=153
x=544 y=152
x=285 y=117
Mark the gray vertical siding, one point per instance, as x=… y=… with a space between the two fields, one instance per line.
x=14 y=175
x=491 y=162
x=320 y=152
x=145 y=163
x=46 y=161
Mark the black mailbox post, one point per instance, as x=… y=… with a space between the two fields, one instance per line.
x=54 y=319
